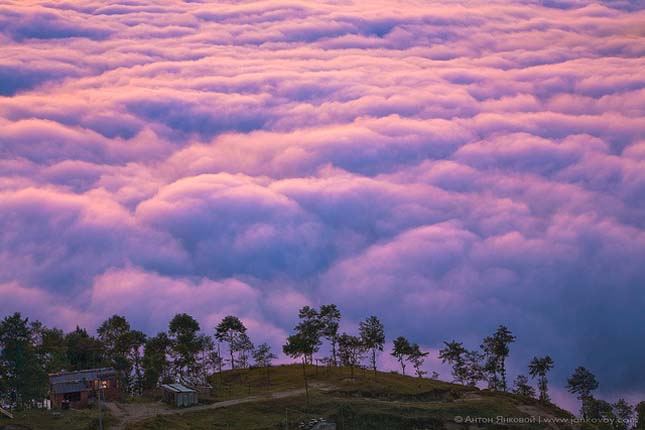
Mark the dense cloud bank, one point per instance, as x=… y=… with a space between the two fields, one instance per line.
x=446 y=167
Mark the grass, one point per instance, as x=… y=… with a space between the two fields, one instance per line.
x=357 y=414
x=234 y=384
x=387 y=401
x=37 y=419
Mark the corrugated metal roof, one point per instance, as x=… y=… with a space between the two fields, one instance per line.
x=69 y=387
x=81 y=375
x=178 y=388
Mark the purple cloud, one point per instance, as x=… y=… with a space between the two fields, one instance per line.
x=447 y=167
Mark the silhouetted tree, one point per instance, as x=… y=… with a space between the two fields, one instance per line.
x=640 y=416
x=186 y=344
x=5 y=391
x=50 y=347
x=263 y=357
x=300 y=346
x=243 y=346
x=372 y=335
x=155 y=360
x=136 y=340
x=330 y=320
x=600 y=411
x=228 y=330
x=305 y=341
x=624 y=413
x=454 y=354
x=209 y=359
x=473 y=369
x=113 y=334
x=582 y=383
x=401 y=351
x=311 y=324
x=23 y=374
x=83 y=350
x=417 y=358
x=521 y=387
x=351 y=351
x=538 y=368
x=122 y=350
x=496 y=350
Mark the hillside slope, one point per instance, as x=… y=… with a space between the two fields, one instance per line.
x=384 y=401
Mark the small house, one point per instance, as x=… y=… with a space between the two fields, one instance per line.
x=77 y=389
x=179 y=395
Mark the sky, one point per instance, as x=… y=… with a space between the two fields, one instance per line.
x=446 y=166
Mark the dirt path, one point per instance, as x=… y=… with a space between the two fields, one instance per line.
x=131 y=413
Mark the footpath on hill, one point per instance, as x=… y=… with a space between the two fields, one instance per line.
x=132 y=413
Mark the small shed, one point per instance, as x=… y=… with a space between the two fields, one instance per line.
x=179 y=395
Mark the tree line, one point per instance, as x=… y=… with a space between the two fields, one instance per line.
x=471 y=367
x=29 y=351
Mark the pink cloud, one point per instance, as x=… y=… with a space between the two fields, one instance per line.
x=447 y=167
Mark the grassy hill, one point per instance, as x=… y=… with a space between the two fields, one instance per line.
x=367 y=401
x=385 y=401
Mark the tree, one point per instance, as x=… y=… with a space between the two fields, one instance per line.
x=311 y=324
x=122 y=350
x=155 y=360
x=538 y=368
x=305 y=341
x=136 y=341
x=243 y=346
x=401 y=351
x=300 y=346
x=351 y=351
x=330 y=321
x=204 y=367
x=496 y=350
x=521 y=387
x=372 y=334
x=113 y=334
x=599 y=411
x=83 y=350
x=263 y=357
x=186 y=344
x=417 y=358
x=454 y=354
x=624 y=414
x=210 y=360
x=50 y=347
x=582 y=383
x=640 y=416
x=472 y=368
x=228 y=330
x=5 y=390
x=24 y=377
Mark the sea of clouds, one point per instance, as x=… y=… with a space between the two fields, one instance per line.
x=447 y=166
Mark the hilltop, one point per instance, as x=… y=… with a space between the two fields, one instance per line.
x=367 y=401
x=243 y=400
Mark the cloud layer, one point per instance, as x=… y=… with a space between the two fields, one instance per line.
x=446 y=167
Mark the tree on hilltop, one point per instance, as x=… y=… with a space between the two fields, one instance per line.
x=372 y=334
x=401 y=351
x=538 y=368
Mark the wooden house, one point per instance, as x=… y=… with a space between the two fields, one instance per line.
x=77 y=389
